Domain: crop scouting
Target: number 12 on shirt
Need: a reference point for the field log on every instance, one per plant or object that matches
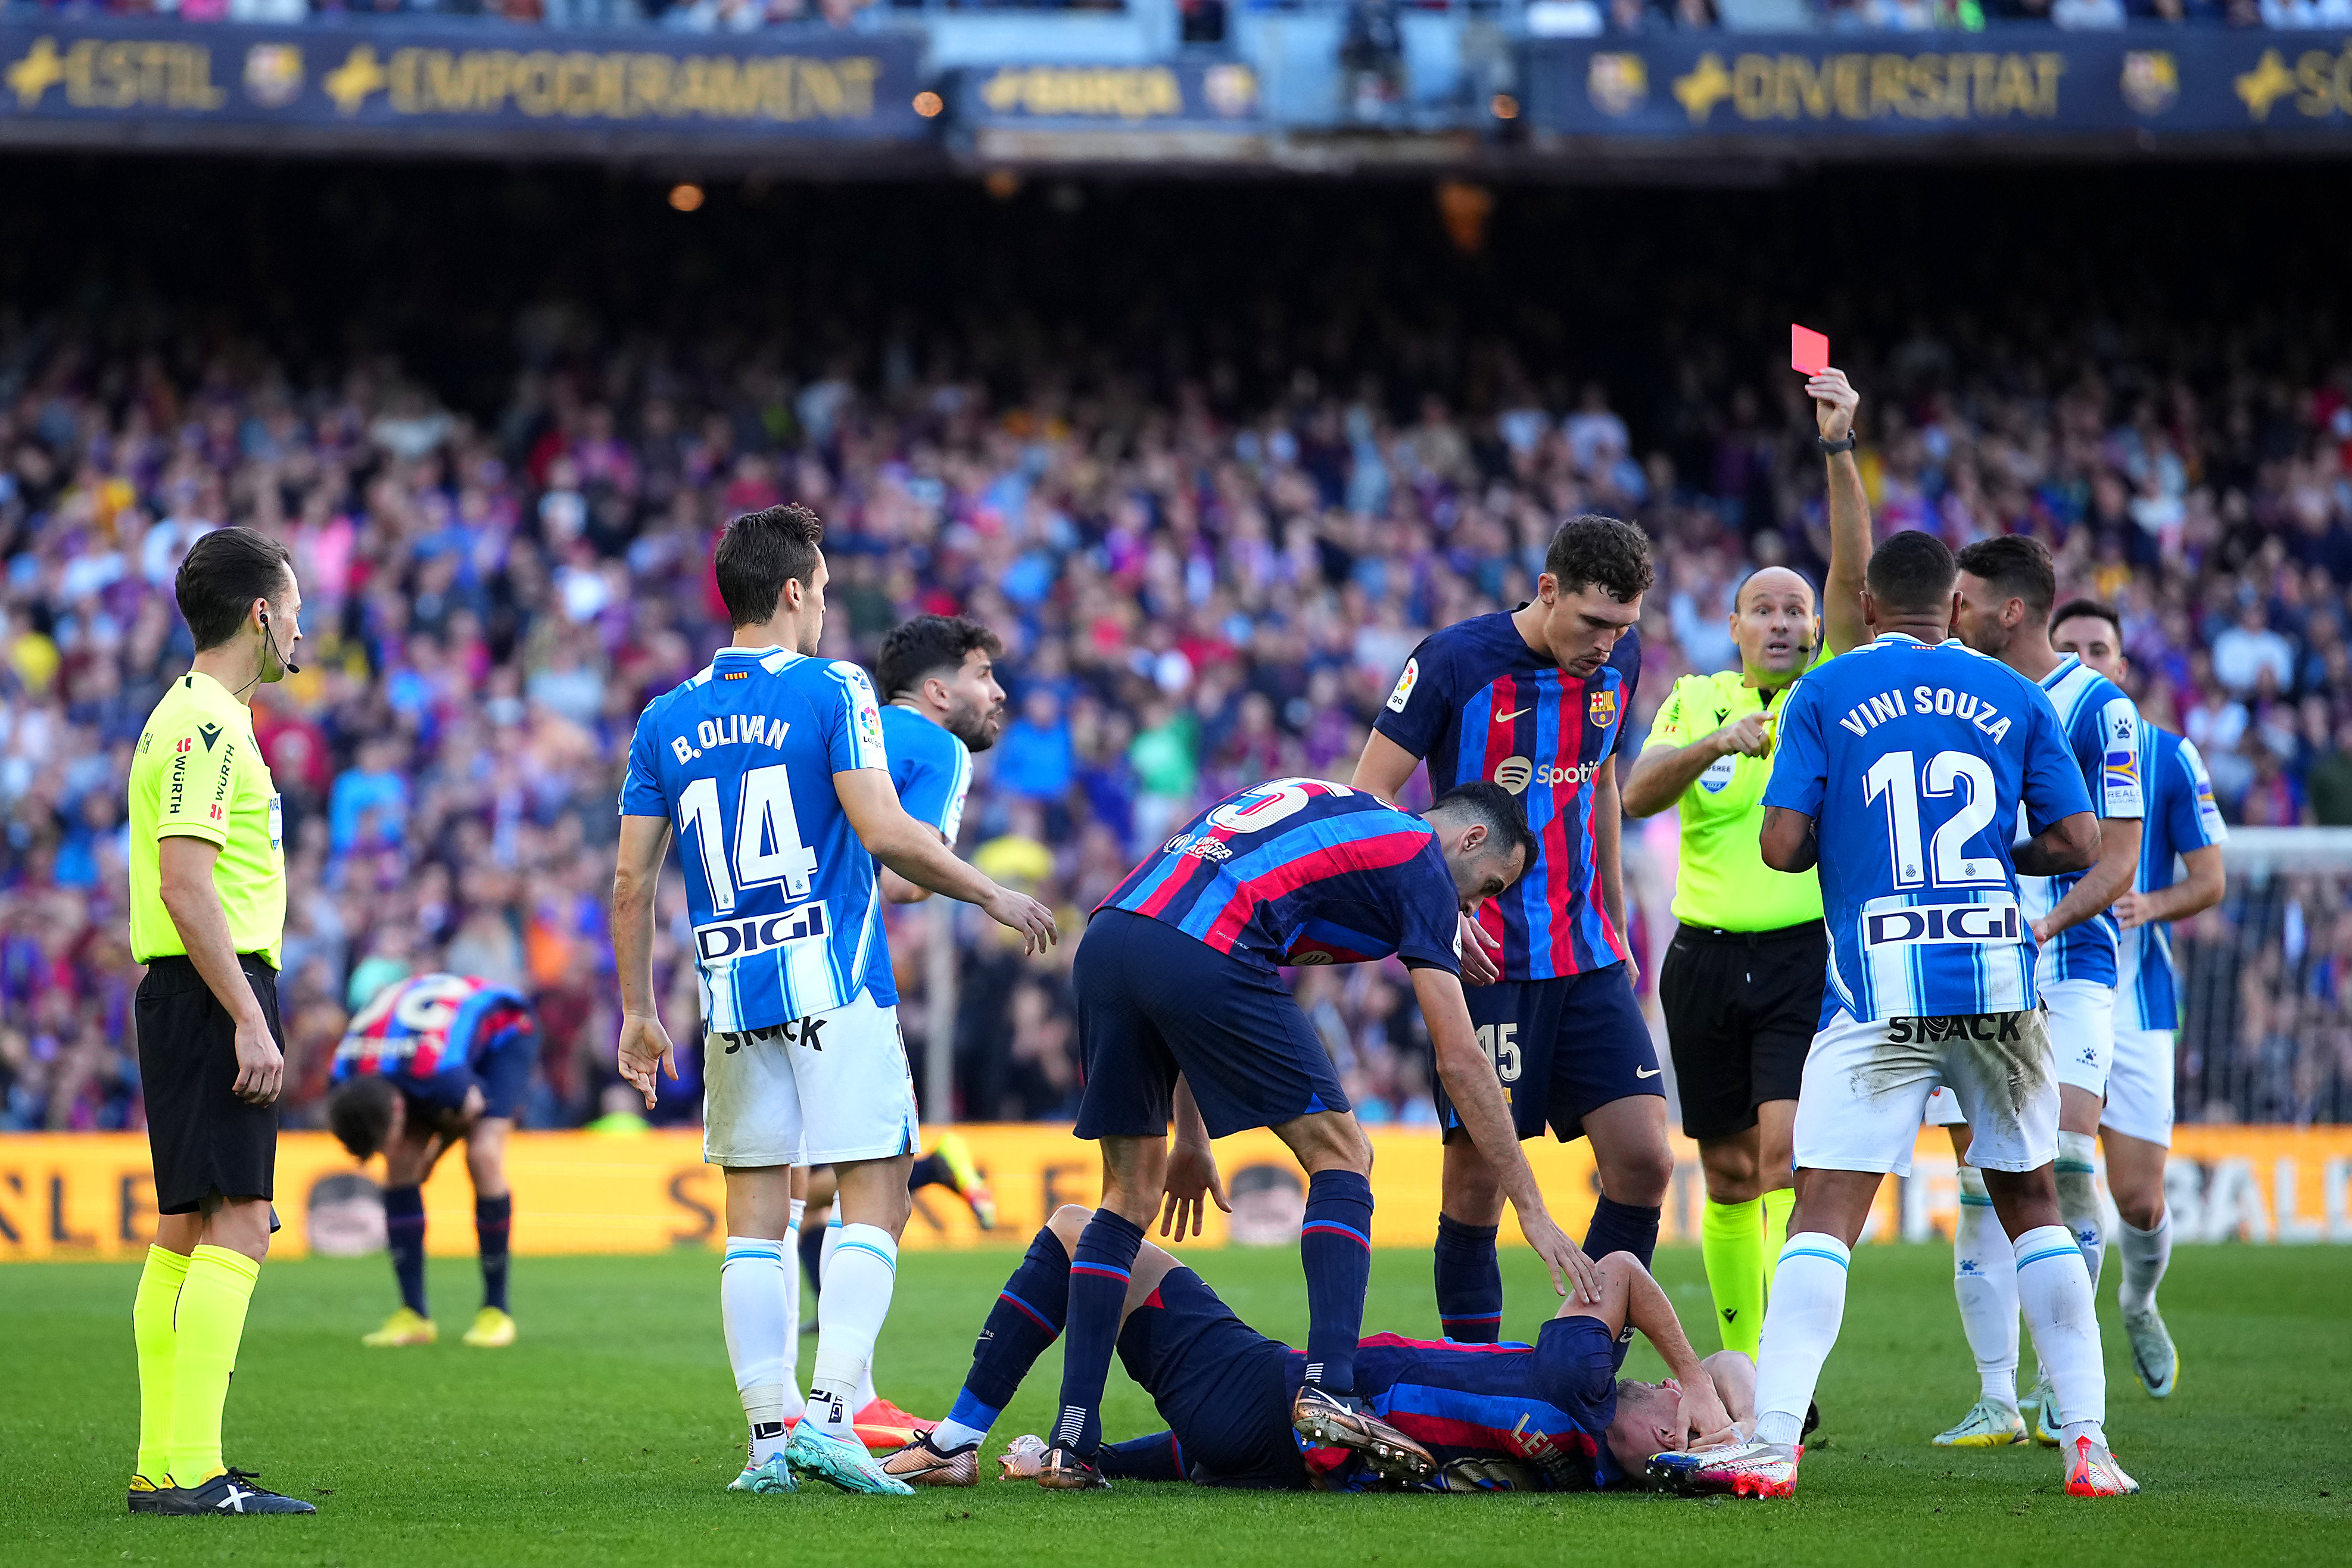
(767, 848)
(1897, 780)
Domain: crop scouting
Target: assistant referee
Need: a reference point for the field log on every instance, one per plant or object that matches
(1741, 984)
(207, 913)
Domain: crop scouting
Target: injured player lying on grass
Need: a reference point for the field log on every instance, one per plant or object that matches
(1448, 1417)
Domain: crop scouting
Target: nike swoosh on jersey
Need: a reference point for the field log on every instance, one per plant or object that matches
(1647, 1071)
(1514, 713)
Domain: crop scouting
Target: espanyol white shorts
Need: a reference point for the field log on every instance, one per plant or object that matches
(2081, 1020)
(823, 1090)
(2139, 1086)
(1867, 1084)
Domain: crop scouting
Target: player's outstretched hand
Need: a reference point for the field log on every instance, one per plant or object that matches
(1705, 1421)
(1834, 401)
(1573, 1274)
(1024, 913)
(644, 1046)
(260, 1065)
(1477, 968)
(1191, 1180)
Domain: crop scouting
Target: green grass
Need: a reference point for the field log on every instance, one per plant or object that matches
(607, 1435)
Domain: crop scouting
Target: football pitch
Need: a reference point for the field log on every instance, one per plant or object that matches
(608, 1433)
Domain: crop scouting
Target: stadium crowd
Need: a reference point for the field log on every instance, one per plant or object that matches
(1194, 595)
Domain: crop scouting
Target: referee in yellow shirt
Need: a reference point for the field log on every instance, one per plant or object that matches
(207, 913)
(1741, 984)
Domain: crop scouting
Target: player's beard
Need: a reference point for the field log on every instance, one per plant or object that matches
(976, 726)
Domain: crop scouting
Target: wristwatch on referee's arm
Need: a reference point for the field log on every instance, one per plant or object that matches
(1831, 448)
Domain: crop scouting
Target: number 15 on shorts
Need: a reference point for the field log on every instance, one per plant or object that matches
(1500, 1042)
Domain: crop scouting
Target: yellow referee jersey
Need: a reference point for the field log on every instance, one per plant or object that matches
(1724, 883)
(198, 773)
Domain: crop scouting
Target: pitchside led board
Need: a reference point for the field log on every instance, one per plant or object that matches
(357, 86)
(2005, 83)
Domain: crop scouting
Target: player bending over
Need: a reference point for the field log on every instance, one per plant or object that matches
(1550, 1417)
(1894, 772)
(770, 766)
(1181, 1010)
(433, 1061)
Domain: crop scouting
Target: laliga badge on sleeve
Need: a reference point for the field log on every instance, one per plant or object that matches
(1808, 350)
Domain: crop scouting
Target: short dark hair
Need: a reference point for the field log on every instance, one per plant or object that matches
(913, 651)
(759, 553)
(220, 575)
(2096, 609)
(2017, 566)
(1912, 573)
(1497, 807)
(360, 1113)
(1601, 550)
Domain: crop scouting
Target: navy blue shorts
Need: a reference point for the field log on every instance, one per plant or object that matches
(1223, 1388)
(506, 1075)
(1563, 1047)
(1154, 1002)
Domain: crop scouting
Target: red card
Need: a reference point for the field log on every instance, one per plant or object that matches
(1807, 350)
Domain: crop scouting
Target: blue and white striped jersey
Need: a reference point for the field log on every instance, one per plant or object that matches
(2102, 729)
(1907, 757)
(779, 892)
(929, 768)
(2181, 816)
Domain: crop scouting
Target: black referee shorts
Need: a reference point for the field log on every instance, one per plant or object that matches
(206, 1141)
(1741, 1009)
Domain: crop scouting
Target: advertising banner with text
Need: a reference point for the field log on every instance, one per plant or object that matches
(85, 1195)
(392, 86)
(2003, 83)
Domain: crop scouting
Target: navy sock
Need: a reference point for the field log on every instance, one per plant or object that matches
(1098, 1277)
(403, 1231)
(493, 1228)
(1335, 1244)
(811, 1255)
(927, 1172)
(1469, 1283)
(1026, 1320)
(1158, 1457)
(1622, 1227)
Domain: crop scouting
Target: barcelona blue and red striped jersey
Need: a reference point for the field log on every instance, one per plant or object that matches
(1299, 870)
(1509, 1417)
(1476, 701)
(431, 1035)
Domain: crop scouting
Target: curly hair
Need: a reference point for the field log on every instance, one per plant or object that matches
(2016, 566)
(1604, 552)
(927, 644)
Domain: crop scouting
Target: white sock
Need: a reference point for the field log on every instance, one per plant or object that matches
(792, 1245)
(1984, 1280)
(849, 1313)
(864, 1394)
(2145, 1254)
(2053, 1286)
(2078, 1199)
(1801, 1324)
(751, 1312)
